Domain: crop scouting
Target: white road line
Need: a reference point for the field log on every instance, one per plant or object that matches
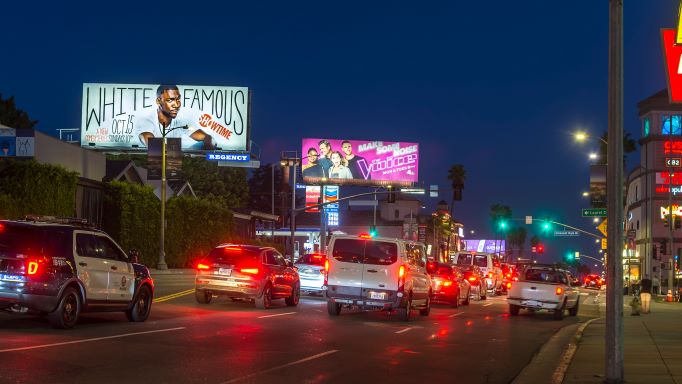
(88, 340)
(404, 330)
(456, 314)
(313, 357)
(487, 305)
(278, 314)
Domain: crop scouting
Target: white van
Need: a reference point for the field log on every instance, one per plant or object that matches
(489, 265)
(378, 273)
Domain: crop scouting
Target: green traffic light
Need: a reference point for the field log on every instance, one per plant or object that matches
(503, 224)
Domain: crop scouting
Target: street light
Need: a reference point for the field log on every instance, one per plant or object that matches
(291, 159)
(583, 136)
(586, 194)
(593, 156)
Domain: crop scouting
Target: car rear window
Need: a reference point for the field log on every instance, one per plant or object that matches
(381, 253)
(481, 261)
(464, 259)
(545, 276)
(19, 240)
(349, 250)
(234, 256)
(365, 251)
(310, 259)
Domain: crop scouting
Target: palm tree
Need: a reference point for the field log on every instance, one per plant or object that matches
(457, 175)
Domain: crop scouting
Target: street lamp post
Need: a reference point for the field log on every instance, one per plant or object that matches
(291, 160)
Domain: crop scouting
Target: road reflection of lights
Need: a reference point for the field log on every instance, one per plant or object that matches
(469, 323)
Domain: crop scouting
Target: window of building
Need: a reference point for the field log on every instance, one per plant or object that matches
(638, 225)
(672, 125)
(647, 126)
(397, 214)
(636, 192)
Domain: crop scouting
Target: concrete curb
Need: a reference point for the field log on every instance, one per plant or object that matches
(560, 347)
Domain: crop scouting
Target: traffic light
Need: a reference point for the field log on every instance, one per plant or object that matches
(373, 231)
(546, 226)
(540, 248)
(502, 224)
(570, 255)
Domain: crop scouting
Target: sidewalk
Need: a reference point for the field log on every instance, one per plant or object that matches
(652, 347)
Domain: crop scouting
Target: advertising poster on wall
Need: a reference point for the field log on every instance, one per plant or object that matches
(126, 116)
(359, 162)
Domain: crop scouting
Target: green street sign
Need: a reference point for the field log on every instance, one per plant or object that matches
(594, 212)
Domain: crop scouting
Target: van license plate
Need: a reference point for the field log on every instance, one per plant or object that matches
(377, 295)
(225, 271)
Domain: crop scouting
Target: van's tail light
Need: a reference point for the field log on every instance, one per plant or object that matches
(472, 279)
(508, 285)
(250, 271)
(447, 283)
(559, 291)
(490, 275)
(202, 266)
(326, 272)
(401, 278)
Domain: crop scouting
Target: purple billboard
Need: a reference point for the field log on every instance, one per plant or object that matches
(359, 162)
(488, 246)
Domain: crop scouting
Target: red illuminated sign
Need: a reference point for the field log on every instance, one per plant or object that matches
(664, 178)
(672, 147)
(672, 53)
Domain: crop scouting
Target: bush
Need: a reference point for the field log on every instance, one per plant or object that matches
(132, 215)
(29, 187)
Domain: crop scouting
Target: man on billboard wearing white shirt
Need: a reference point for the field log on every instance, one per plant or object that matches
(167, 117)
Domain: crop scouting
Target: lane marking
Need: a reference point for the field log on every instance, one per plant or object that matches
(456, 314)
(88, 340)
(313, 357)
(405, 330)
(278, 314)
(487, 305)
(173, 296)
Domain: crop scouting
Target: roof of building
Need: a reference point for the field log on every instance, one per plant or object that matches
(660, 101)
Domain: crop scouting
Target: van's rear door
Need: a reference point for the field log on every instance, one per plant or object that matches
(345, 267)
(380, 269)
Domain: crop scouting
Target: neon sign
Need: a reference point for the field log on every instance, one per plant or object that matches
(666, 189)
(664, 177)
(677, 211)
(674, 147)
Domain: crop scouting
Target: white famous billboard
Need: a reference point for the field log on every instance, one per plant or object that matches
(125, 116)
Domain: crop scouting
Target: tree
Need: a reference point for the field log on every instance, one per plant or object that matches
(227, 185)
(260, 189)
(457, 175)
(629, 146)
(13, 117)
(516, 237)
(500, 216)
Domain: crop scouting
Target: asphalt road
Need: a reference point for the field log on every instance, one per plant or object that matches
(233, 342)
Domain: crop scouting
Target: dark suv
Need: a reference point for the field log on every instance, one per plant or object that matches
(62, 267)
(247, 272)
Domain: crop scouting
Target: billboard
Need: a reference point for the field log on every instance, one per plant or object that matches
(16, 142)
(330, 194)
(359, 162)
(126, 116)
(312, 197)
(489, 246)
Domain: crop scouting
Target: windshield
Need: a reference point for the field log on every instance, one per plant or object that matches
(464, 259)
(481, 261)
(545, 276)
(311, 259)
(234, 256)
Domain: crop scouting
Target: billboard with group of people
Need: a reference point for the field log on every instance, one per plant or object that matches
(359, 162)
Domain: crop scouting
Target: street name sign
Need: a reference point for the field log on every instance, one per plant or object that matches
(566, 233)
(594, 212)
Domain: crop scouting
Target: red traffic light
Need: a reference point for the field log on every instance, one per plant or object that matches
(541, 248)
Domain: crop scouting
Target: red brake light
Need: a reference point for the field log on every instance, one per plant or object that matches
(472, 278)
(326, 265)
(447, 283)
(32, 268)
(251, 271)
(202, 266)
(365, 236)
(401, 271)
(490, 275)
(232, 248)
(559, 290)
(2, 227)
(317, 257)
(508, 285)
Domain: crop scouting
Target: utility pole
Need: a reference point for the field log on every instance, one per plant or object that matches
(614, 271)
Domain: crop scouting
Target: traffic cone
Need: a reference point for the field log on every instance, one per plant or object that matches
(669, 296)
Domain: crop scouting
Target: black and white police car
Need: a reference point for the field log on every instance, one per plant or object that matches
(62, 267)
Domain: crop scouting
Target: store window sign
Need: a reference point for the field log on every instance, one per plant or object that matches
(677, 211)
(666, 189)
(665, 177)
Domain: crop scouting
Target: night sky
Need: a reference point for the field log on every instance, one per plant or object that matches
(495, 85)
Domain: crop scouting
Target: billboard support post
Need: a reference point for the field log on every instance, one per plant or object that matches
(291, 159)
(162, 252)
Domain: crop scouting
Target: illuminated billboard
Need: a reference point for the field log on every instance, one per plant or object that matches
(490, 246)
(359, 162)
(126, 116)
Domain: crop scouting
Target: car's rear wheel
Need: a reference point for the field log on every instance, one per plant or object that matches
(455, 300)
(484, 293)
(468, 297)
(427, 308)
(264, 301)
(574, 311)
(66, 314)
(292, 300)
(514, 309)
(334, 309)
(405, 312)
(142, 307)
(203, 297)
(559, 313)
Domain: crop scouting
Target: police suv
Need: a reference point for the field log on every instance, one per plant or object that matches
(62, 267)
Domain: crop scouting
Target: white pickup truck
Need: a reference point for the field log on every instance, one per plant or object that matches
(545, 287)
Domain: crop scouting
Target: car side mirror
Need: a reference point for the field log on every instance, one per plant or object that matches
(134, 257)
